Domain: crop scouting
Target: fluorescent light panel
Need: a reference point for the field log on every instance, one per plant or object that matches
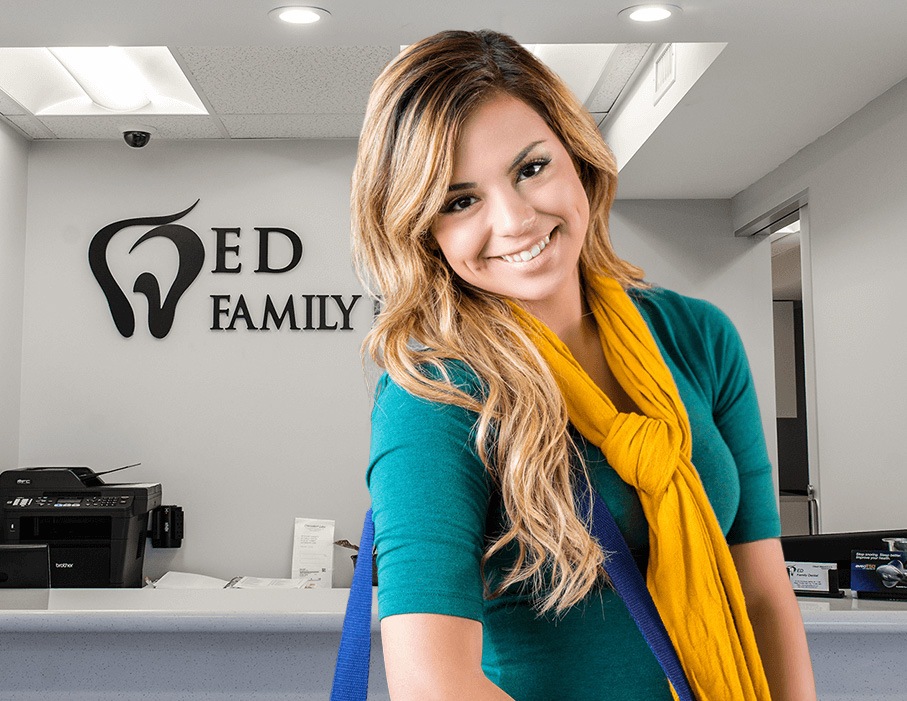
(107, 75)
(151, 80)
(578, 65)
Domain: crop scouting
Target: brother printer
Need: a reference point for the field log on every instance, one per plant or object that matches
(95, 532)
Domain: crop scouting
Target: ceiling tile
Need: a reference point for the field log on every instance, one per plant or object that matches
(293, 126)
(614, 78)
(9, 106)
(110, 127)
(31, 126)
(286, 80)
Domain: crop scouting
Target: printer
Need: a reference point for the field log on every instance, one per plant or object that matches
(95, 532)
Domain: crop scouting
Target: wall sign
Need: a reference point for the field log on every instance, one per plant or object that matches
(306, 312)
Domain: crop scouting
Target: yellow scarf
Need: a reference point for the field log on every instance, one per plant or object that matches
(691, 574)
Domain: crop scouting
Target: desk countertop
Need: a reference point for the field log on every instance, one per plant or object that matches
(174, 610)
(852, 615)
(303, 611)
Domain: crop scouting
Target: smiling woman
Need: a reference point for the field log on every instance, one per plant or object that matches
(517, 214)
(525, 363)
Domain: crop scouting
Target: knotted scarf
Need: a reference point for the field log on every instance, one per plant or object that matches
(691, 574)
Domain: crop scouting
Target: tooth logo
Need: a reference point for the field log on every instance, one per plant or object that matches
(160, 314)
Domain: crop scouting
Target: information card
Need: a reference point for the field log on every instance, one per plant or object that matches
(313, 552)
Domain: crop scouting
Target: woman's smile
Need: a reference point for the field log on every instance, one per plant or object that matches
(528, 254)
(516, 216)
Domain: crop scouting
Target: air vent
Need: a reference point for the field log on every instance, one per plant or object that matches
(665, 71)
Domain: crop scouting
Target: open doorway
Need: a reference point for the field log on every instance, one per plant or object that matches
(798, 503)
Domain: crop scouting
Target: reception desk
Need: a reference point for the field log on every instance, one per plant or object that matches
(155, 644)
(174, 645)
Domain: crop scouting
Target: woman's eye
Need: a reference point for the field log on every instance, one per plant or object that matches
(532, 168)
(459, 204)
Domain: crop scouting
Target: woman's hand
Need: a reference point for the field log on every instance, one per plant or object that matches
(776, 619)
(434, 657)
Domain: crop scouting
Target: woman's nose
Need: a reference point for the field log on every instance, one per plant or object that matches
(512, 215)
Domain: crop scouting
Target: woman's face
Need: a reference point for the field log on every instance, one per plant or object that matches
(516, 214)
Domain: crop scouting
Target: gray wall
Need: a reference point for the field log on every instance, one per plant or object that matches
(858, 255)
(249, 429)
(246, 430)
(689, 246)
(13, 175)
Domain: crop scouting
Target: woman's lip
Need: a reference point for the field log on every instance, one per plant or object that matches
(530, 253)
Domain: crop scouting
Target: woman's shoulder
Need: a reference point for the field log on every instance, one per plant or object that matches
(456, 373)
(431, 442)
(397, 410)
(694, 334)
(680, 311)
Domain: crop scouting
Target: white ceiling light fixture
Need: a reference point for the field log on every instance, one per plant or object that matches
(578, 65)
(96, 81)
(298, 14)
(107, 75)
(651, 12)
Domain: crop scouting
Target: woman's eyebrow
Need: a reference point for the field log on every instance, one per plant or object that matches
(522, 154)
(514, 164)
(461, 186)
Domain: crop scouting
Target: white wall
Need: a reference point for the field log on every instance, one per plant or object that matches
(858, 255)
(13, 177)
(689, 246)
(246, 430)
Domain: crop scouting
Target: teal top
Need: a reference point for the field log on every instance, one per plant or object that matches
(434, 511)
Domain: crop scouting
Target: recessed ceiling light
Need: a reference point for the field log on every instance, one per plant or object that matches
(298, 14)
(649, 12)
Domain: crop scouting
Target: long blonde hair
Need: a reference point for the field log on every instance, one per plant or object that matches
(429, 316)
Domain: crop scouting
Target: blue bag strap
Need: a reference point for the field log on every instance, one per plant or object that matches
(354, 655)
(630, 586)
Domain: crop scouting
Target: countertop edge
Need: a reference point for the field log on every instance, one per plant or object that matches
(140, 611)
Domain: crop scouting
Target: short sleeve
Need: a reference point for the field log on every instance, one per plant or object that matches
(737, 417)
(429, 500)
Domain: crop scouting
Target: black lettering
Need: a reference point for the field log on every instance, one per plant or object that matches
(345, 324)
(222, 249)
(241, 312)
(323, 309)
(308, 312)
(264, 235)
(219, 311)
(289, 311)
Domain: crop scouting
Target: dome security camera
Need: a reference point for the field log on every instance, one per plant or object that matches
(136, 138)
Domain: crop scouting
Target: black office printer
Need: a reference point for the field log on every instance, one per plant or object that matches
(95, 532)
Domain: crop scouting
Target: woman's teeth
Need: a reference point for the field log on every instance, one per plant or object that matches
(524, 256)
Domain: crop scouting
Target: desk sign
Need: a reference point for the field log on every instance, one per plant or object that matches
(878, 574)
(814, 578)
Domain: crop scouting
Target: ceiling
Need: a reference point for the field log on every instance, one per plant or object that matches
(295, 92)
(792, 70)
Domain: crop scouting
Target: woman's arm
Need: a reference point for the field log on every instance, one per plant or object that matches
(432, 657)
(776, 619)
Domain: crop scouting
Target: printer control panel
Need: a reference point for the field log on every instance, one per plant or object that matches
(61, 502)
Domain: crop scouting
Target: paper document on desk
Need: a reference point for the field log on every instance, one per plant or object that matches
(313, 552)
(266, 583)
(188, 580)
